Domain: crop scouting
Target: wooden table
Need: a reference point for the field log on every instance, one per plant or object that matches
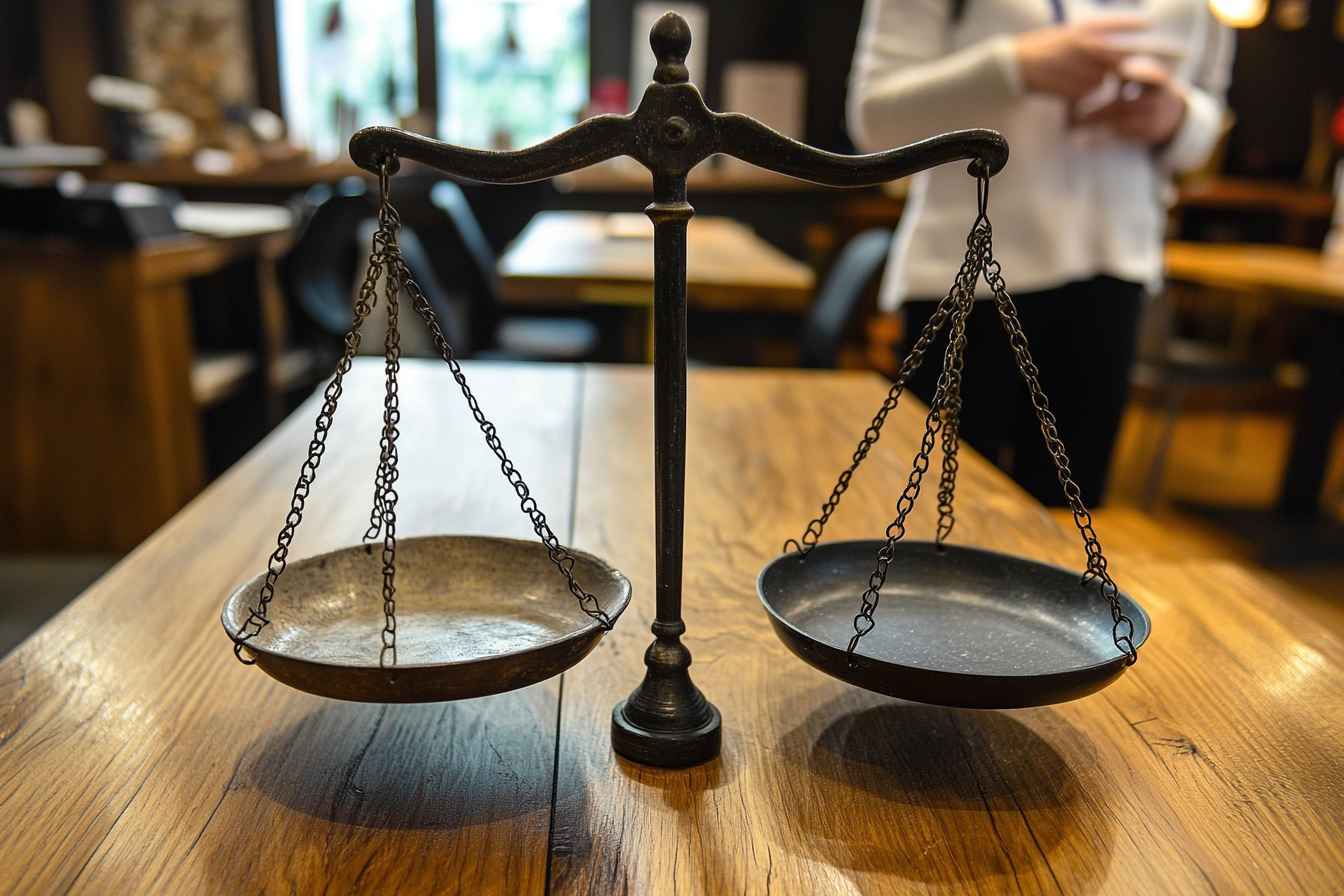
(136, 755)
(291, 174)
(1310, 280)
(103, 441)
(569, 259)
(573, 258)
(1301, 276)
(1300, 208)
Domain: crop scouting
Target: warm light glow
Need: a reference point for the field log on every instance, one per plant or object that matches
(1240, 13)
(1301, 665)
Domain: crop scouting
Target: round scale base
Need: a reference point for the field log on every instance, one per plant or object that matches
(666, 749)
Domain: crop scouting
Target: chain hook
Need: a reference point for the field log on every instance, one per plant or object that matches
(385, 166)
(981, 200)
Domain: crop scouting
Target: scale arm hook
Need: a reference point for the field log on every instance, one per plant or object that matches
(749, 140)
(592, 140)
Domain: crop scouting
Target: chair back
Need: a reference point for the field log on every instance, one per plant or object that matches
(451, 307)
(858, 263)
(318, 271)
(467, 262)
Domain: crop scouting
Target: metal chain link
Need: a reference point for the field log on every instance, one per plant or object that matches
(560, 556)
(1122, 629)
(946, 406)
(258, 616)
(386, 260)
(947, 484)
(940, 411)
(812, 534)
(387, 216)
(383, 517)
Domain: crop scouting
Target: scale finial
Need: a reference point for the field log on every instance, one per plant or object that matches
(670, 38)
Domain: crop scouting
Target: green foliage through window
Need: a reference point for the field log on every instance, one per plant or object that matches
(344, 65)
(511, 72)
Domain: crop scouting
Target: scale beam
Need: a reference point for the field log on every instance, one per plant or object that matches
(666, 720)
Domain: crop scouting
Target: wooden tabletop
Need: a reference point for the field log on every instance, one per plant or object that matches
(1252, 194)
(294, 174)
(137, 756)
(1303, 276)
(570, 258)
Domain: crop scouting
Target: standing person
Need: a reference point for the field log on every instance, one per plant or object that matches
(1100, 104)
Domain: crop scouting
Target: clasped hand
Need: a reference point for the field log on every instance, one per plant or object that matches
(1072, 61)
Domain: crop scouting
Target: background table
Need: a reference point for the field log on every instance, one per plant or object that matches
(1307, 279)
(136, 755)
(575, 258)
(568, 259)
(103, 384)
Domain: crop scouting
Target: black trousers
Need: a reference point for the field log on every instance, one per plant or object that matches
(1082, 337)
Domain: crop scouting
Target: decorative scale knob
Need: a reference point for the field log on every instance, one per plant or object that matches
(670, 39)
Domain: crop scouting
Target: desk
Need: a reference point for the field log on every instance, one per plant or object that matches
(102, 442)
(1300, 276)
(568, 259)
(1308, 279)
(139, 756)
(572, 258)
(292, 175)
(1299, 207)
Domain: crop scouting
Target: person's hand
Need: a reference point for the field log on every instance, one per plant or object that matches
(1149, 110)
(1071, 61)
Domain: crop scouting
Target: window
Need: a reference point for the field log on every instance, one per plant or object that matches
(508, 72)
(344, 65)
(511, 72)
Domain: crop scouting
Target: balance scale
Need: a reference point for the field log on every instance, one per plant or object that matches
(482, 615)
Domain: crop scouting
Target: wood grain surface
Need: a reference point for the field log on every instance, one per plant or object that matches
(565, 257)
(1301, 276)
(1210, 767)
(136, 756)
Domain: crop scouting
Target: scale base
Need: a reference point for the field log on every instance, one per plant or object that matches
(666, 722)
(665, 748)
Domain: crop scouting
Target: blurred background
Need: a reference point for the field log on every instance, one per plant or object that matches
(181, 233)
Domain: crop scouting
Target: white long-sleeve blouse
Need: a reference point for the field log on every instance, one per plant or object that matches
(1071, 204)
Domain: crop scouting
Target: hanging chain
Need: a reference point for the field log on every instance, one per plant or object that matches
(940, 412)
(1122, 628)
(385, 261)
(383, 517)
(257, 618)
(560, 556)
(812, 534)
(947, 484)
(944, 415)
(389, 219)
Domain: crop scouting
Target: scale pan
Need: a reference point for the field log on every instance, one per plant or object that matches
(475, 616)
(956, 626)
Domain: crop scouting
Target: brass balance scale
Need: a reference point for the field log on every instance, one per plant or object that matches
(482, 615)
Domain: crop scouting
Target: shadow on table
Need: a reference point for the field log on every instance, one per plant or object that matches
(943, 796)
(414, 767)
